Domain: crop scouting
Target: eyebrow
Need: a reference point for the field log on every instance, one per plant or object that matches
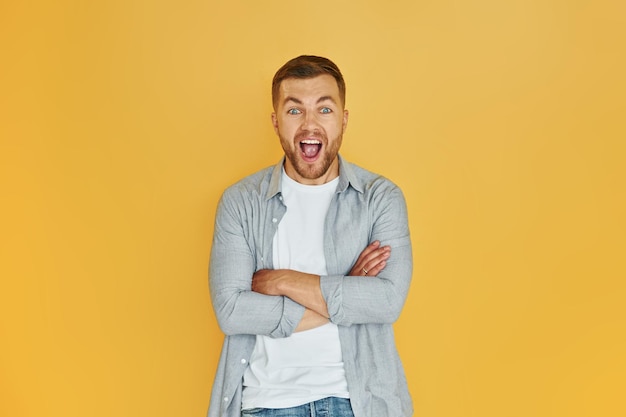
(319, 100)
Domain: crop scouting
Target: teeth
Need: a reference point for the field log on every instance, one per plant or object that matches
(311, 142)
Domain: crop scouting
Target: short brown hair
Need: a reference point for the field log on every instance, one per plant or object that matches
(308, 66)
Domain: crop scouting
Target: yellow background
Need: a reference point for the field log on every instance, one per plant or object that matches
(121, 122)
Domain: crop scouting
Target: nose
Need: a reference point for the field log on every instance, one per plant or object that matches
(310, 121)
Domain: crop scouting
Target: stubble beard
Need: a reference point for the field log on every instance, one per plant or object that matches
(320, 167)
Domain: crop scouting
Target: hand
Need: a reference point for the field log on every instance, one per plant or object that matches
(265, 281)
(371, 261)
(301, 287)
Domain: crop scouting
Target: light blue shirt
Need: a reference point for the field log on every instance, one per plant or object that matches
(366, 207)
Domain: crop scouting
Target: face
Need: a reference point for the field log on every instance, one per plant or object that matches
(310, 120)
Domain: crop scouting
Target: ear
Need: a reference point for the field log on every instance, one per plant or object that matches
(346, 113)
(275, 122)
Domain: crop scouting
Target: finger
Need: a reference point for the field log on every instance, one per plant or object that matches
(364, 257)
(373, 255)
(375, 270)
(376, 263)
(379, 255)
(369, 259)
(369, 249)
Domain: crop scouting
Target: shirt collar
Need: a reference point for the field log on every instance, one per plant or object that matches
(346, 177)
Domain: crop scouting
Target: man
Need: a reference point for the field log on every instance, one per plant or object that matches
(310, 265)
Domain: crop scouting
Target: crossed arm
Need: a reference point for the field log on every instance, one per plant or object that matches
(305, 288)
(276, 303)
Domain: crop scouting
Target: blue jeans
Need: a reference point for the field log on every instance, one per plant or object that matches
(326, 407)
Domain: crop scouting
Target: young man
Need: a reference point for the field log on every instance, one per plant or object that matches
(310, 265)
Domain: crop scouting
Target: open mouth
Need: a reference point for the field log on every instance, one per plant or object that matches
(310, 148)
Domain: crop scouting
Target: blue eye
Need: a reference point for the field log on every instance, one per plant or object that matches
(326, 110)
(293, 111)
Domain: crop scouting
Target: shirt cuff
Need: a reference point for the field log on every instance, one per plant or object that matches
(332, 291)
(292, 314)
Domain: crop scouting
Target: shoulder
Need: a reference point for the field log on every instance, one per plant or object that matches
(369, 182)
(251, 186)
(245, 196)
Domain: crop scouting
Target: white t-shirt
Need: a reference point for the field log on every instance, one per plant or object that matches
(308, 365)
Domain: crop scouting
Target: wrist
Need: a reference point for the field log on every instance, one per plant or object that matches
(276, 287)
(289, 282)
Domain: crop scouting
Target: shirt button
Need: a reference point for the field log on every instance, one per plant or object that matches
(243, 361)
(225, 399)
(274, 220)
